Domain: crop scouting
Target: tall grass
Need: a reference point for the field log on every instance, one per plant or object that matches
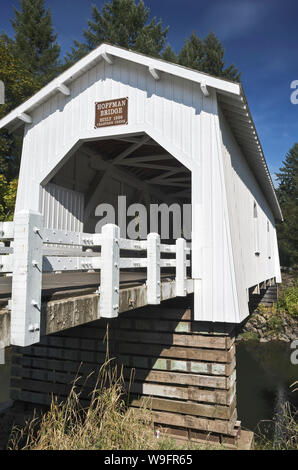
(283, 429)
(106, 423)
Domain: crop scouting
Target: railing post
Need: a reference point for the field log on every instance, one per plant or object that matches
(27, 278)
(153, 269)
(110, 272)
(181, 267)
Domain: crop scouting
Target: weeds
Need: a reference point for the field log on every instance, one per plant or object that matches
(284, 431)
(288, 302)
(107, 423)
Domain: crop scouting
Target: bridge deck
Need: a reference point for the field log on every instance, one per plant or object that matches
(70, 299)
(76, 283)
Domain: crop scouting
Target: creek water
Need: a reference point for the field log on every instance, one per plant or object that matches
(264, 376)
(5, 375)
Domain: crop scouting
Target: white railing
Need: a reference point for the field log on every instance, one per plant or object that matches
(35, 250)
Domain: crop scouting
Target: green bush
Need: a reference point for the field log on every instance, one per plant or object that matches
(288, 302)
(275, 324)
(249, 336)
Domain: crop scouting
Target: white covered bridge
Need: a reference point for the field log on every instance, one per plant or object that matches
(129, 131)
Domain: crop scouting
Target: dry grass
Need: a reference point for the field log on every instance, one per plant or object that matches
(284, 429)
(107, 423)
(285, 426)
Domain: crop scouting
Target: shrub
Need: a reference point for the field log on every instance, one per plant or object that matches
(249, 336)
(275, 324)
(288, 301)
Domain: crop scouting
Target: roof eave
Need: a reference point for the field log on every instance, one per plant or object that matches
(12, 119)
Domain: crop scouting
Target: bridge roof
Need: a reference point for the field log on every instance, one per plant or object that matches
(231, 96)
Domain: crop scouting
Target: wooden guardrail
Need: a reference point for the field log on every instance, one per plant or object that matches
(35, 250)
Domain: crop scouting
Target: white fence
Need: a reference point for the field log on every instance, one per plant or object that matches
(31, 254)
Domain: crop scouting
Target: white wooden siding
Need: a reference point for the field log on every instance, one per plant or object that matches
(62, 208)
(173, 112)
(254, 260)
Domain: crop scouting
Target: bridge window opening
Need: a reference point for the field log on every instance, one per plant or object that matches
(130, 181)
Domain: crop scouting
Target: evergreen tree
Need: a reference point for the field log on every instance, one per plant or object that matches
(288, 197)
(169, 55)
(19, 85)
(192, 53)
(35, 43)
(122, 23)
(207, 56)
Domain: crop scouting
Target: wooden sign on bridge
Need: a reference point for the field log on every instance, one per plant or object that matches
(111, 112)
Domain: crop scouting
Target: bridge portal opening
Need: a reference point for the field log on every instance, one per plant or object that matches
(131, 181)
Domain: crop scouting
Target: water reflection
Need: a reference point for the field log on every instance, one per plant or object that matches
(264, 376)
(5, 377)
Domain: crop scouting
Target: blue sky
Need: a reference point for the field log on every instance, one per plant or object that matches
(260, 37)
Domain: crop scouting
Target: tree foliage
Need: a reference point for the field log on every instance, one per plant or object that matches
(169, 55)
(126, 23)
(288, 197)
(35, 43)
(122, 23)
(8, 192)
(19, 85)
(207, 56)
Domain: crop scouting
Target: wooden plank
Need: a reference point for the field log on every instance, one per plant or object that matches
(134, 325)
(165, 418)
(223, 397)
(169, 339)
(135, 336)
(181, 353)
(191, 422)
(147, 375)
(174, 352)
(193, 409)
(179, 378)
(133, 360)
(132, 337)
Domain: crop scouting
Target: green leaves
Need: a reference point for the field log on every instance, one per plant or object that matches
(35, 43)
(26, 64)
(126, 23)
(19, 85)
(207, 56)
(288, 197)
(122, 23)
(8, 192)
